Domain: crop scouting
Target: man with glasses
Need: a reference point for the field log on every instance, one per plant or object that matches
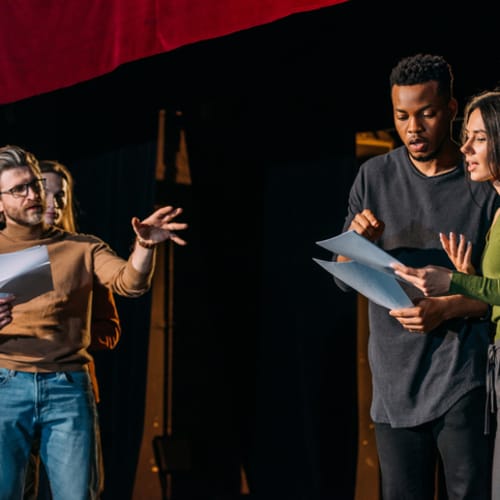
(45, 389)
(21, 190)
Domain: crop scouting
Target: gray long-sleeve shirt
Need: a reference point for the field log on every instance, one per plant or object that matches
(415, 377)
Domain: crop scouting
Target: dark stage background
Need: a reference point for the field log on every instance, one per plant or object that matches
(265, 349)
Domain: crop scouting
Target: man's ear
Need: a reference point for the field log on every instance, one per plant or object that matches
(453, 107)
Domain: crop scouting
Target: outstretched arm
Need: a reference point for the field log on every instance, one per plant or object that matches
(435, 280)
(158, 227)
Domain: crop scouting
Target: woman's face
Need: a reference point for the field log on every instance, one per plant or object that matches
(56, 195)
(475, 148)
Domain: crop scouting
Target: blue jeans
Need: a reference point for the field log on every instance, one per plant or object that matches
(60, 408)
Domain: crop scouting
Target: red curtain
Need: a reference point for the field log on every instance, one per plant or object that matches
(49, 44)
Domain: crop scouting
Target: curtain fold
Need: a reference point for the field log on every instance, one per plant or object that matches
(51, 44)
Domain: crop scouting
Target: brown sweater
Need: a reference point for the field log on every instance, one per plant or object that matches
(51, 332)
(105, 330)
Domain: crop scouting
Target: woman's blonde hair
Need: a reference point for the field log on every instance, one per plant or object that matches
(68, 220)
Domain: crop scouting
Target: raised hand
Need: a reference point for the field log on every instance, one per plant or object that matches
(159, 226)
(432, 280)
(366, 224)
(459, 251)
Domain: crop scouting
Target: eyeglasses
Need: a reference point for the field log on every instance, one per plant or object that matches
(21, 190)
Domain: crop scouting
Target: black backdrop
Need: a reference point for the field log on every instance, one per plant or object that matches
(265, 342)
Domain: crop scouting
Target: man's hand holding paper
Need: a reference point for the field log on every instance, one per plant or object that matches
(369, 271)
(26, 274)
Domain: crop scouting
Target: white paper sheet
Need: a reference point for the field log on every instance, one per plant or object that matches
(368, 272)
(26, 273)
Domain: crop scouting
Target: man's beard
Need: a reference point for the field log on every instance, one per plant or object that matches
(28, 219)
(431, 156)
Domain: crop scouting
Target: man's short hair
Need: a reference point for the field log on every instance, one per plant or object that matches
(15, 156)
(423, 68)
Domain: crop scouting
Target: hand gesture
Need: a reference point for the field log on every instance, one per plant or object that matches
(427, 314)
(366, 224)
(432, 280)
(159, 227)
(459, 251)
(6, 300)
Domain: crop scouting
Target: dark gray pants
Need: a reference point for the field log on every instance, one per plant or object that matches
(408, 456)
(493, 386)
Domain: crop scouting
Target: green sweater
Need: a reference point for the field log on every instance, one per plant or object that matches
(486, 287)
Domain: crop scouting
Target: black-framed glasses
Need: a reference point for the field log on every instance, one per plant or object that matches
(21, 190)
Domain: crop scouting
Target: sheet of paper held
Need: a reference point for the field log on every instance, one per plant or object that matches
(376, 286)
(369, 272)
(26, 273)
(358, 248)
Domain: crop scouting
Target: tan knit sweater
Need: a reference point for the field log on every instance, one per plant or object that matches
(51, 332)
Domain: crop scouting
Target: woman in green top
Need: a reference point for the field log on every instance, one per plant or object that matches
(481, 148)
